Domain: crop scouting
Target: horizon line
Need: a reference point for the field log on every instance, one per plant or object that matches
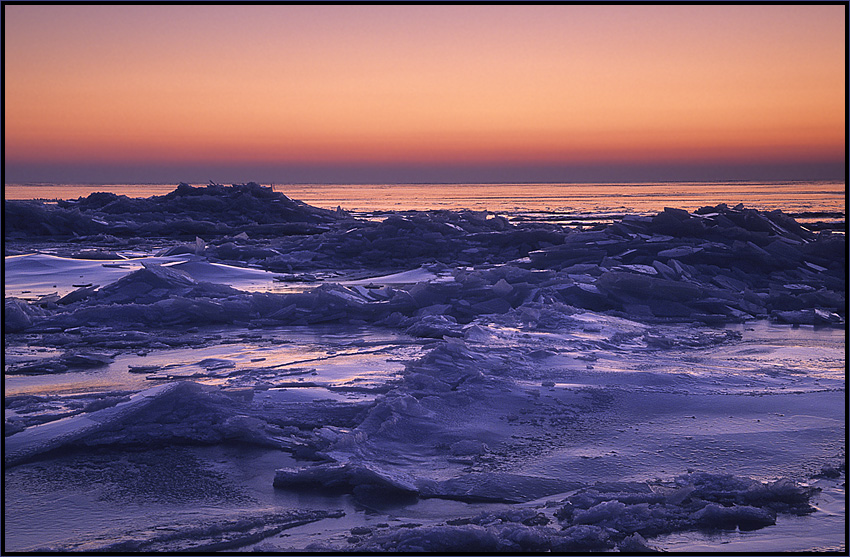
(267, 183)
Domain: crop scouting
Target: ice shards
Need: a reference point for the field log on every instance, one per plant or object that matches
(717, 265)
(698, 501)
(169, 413)
(187, 211)
(606, 516)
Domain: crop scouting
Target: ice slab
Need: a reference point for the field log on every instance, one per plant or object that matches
(422, 274)
(52, 435)
(478, 487)
(38, 274)
(496, 487)
(228, 274)
(243, 529)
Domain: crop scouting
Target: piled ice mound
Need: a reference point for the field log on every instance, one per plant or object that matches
(18, 315)
(603, 517)
(693, 501)
(444, 410)
(154, 296)
(153, 282)
(213, 210)
(400, 241)
(716, 265)
(33, 218)
(167, 414)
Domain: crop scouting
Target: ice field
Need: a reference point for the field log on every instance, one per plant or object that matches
(227, 369)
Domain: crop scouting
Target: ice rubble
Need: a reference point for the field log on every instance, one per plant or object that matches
(181, 412)
(214, 210)
(438, 275)
(373, 456)
(601, 517)
(455, 394)
(717, 265)
(69, 360)
(38, 409)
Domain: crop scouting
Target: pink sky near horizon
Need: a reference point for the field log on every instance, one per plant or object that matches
(424, 85)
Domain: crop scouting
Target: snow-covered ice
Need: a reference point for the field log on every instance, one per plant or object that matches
(226, 368)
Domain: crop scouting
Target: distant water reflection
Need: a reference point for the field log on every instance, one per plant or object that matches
(825, 198)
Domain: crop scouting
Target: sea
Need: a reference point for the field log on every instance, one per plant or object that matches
(564, 203)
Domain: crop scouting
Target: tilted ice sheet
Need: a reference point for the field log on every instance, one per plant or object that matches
(38, 274)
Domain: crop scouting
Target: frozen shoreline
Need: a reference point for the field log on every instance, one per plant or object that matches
(499, 377)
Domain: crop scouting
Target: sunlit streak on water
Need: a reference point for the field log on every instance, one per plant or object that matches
(573, 199)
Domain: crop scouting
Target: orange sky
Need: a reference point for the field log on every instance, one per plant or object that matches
(424, 84)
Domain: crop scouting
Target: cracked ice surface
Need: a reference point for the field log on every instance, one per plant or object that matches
(437, 381)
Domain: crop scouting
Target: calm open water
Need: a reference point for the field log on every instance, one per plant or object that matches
(567, 199)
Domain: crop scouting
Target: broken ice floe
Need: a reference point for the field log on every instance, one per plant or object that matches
(715, 266)
(180, 412)
(68, 361)
(604, 516)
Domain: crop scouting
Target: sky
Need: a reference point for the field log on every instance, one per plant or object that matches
(428, 93)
